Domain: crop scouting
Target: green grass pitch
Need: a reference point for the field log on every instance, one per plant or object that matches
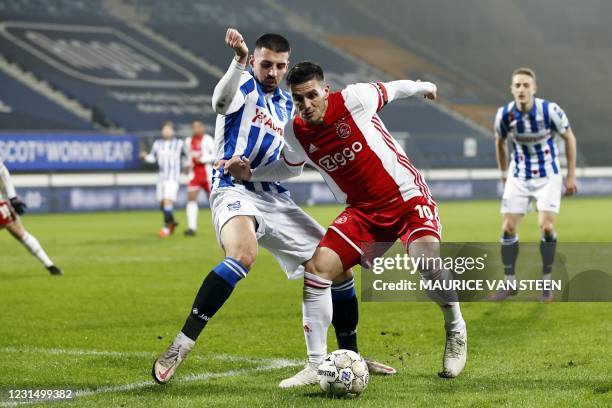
(126, 293)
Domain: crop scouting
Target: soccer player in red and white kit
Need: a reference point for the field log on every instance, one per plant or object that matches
(341, 135)
(11, 207)
(202, 153)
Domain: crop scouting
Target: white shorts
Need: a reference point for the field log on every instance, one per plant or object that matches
(167, 190)
(290, 234)
(519, 193)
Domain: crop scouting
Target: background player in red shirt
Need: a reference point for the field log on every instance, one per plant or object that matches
(202, 153)
(341, 135)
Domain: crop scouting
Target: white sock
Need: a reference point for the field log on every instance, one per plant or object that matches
(453, 320)
(317, 316)
(34, 247)
(447, 300)
(182, 339)
(192, 215)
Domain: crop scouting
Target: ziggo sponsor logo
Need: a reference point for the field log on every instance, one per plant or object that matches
(334, 161)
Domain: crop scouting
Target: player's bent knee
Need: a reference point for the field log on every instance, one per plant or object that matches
(509, 228)
(346, 275)
(325, 263)
(547, 228)
(245, 257)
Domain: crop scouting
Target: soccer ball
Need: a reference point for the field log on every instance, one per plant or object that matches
(343, 373)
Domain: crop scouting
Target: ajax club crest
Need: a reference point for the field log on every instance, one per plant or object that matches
(343, 130)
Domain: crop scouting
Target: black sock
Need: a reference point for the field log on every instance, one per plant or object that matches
(212, 295)
(509, 253)
(345, 319)
(168, 217)
(548, 246)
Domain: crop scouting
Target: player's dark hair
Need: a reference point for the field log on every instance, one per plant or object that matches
(273, 42)
(303, 72)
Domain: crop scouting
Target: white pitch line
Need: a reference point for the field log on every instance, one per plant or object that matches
(128, 354)
(270, 364)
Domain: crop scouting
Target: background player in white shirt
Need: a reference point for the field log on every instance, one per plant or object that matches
(341, 135)
(533, 126)
(201, 147)
(252, 113)
(168, 152)
(10, 209)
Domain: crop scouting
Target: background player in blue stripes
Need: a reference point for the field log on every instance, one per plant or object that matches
(252, 113)
(532, 125)
(169, 154)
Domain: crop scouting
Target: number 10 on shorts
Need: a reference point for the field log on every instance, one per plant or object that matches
(424, 212)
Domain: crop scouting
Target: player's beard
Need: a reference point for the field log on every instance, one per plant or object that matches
(269, 86)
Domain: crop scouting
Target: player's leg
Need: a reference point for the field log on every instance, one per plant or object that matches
(317, 306)
(192, 208)
(548, 246)
(32, 244)
(346, 317)
(346, 311)
(337, 253)
(515, 203)
(455, 351)
(548, 205)
(240, 244)
(292, 236)
(509, 252)
(170, 197)
(239, 241)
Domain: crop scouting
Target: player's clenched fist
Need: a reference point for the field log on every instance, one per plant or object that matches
(234, 40)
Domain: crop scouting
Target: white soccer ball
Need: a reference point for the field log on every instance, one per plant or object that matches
(343, 373)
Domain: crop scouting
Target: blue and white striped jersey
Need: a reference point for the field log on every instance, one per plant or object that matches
(168, 154)
(255, 131)
(534, 137)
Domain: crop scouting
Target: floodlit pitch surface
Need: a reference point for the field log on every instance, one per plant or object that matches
(126, 293)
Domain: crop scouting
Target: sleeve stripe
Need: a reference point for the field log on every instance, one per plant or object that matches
(383, 98)
(380, 98)
(293, 164)
(383, 90)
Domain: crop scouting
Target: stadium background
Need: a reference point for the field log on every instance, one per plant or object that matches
(86, 84)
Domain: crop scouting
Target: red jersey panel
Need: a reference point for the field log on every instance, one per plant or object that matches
(360, 161)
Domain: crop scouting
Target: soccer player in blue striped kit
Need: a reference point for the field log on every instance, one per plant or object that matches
(252, 113)
(169, 153)
(534, 173)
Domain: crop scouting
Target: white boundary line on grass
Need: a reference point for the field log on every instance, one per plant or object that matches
(265, 365)
(128, 354)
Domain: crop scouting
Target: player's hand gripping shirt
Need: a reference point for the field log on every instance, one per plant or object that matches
(533, 136)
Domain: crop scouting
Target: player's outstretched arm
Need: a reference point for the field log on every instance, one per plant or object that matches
(570, 153)
(374, 96)
(291, 164)
(226, 96)
(281, 169)
(407, 88)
